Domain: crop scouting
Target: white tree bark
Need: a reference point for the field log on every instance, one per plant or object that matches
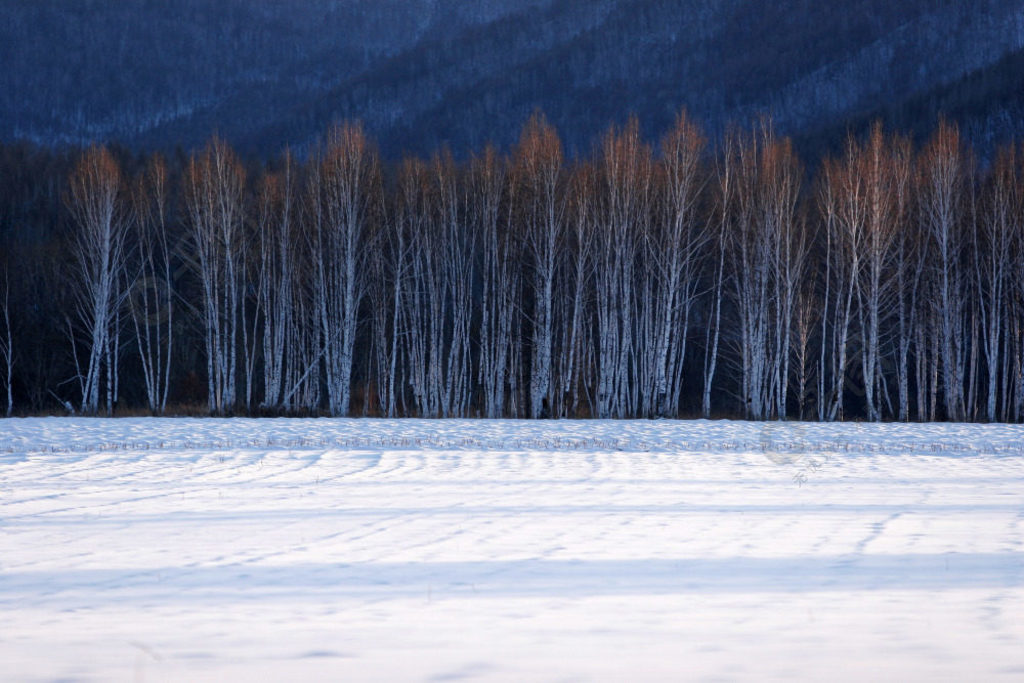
(999, 226)
(943, 183)
(152, 299)
(345, 191)
(625, 171)
(538, 170)
(214, 187)
(97, 206)
(676, 249)
(499, 280)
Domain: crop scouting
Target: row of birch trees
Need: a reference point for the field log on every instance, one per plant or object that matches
(662, 280)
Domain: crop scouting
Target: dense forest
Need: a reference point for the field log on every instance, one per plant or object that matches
(422, 74)
(666, 278)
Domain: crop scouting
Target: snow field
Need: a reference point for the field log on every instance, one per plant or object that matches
(187, 549)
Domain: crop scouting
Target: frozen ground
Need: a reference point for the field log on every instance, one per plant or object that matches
(444, 550)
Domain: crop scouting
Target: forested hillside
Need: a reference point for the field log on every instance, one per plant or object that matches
(173, 73)
(421, 73)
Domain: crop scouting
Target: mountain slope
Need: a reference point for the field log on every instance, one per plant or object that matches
(422, 73)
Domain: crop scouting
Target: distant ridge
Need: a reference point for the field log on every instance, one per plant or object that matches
(425, 73)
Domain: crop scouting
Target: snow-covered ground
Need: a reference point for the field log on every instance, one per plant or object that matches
(502, 550)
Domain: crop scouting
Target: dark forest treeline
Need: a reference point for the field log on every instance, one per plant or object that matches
(643, 281)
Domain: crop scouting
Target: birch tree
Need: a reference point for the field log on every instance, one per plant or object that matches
(277, 283)
(999, 228)
(749, 256)
(419, 306)
(438, 296)
(215, 211)
(499, 276)
(95, 202)
(781, 192)
(767, 251)
(625, 172)
(344, 191)
(910, 258)
(943, 176)
(724, 202)
(675, 248)
(808, 312)
(538, 170)
(869, 192)
(575, 358)
(455, 266)
(389, 271)
(152, 298)
(842, 204)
